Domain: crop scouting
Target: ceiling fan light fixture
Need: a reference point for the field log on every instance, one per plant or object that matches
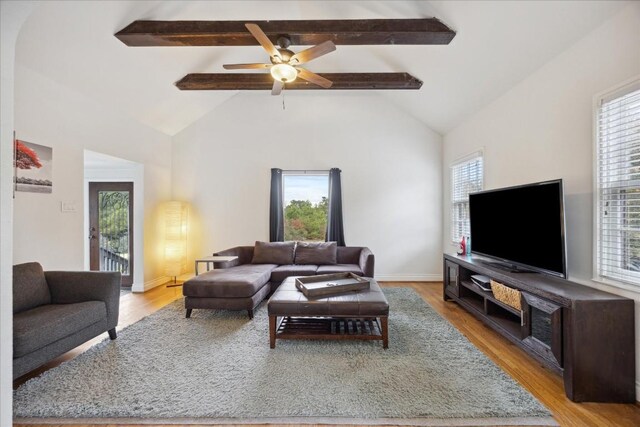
(284, 73)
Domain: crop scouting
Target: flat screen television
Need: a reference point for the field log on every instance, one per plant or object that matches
(521, 227)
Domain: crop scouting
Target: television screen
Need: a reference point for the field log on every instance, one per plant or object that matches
(522, 226)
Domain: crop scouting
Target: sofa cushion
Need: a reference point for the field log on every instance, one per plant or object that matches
(279, 253)
(30, 288)
(319, 253)
(280, 273)
(241, 281)
(41, 326)
(340, 268)
(349, 254)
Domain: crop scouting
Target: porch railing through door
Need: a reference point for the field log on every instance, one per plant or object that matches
(111, 260)
(114, 231)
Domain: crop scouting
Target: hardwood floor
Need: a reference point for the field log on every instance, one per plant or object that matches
(541, 382)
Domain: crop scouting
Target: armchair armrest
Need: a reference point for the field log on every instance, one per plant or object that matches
(68, 287)
(244, 254)
(367, 262)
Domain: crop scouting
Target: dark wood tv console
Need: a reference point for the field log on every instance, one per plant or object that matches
(582, 333)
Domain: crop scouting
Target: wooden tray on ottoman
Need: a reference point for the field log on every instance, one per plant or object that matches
(330, 284)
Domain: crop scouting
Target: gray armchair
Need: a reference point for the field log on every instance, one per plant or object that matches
(55, 311)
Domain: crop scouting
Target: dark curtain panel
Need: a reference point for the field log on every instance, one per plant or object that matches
(276, 210)
(335, 229)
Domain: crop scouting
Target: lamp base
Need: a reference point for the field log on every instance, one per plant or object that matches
(175, 283)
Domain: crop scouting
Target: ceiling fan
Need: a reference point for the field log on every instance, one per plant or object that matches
(285, 64)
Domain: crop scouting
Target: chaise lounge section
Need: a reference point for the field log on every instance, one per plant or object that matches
(242, 284)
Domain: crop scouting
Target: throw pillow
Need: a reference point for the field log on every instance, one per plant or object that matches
(280, 253)
(320, 253)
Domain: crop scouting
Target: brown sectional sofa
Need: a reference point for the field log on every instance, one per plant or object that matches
(244, 283)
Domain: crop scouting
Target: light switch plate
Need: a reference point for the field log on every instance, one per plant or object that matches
(67, 207)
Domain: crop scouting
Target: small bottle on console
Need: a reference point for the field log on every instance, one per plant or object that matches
(462, 247)
(467, 246)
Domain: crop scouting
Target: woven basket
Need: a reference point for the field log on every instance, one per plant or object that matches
(507, 295)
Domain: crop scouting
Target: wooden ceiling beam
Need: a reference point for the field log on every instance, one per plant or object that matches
(258, 81)
(427, 31)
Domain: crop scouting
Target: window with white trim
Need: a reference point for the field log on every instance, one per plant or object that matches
(466, 177)
(618, 185)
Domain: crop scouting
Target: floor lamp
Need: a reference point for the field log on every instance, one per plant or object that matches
(175, 239)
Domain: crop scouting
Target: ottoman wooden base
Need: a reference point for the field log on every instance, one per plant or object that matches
(361, 315)
(328, 328)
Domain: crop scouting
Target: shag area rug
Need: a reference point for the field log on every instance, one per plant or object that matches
(217, 368)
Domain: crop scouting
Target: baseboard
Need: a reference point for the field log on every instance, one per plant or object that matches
(150, 284)
(409, 277)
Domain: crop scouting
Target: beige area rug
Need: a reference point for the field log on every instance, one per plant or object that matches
(217, 367)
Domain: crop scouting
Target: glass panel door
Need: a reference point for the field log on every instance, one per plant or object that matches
(110, 232)
(451, 284)
(542, 327)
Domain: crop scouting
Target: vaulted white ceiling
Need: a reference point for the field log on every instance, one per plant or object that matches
(498, 43)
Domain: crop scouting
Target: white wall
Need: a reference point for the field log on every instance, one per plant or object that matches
(391, 173)
(543, 129)
(50, 114)
(12, 16)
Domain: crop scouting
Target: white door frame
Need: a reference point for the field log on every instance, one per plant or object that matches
(135, 174)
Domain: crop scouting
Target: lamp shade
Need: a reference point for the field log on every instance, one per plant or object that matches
(175, 238)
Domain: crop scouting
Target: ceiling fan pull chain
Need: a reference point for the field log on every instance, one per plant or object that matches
(283, 88)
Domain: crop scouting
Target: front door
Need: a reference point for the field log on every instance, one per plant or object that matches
(111, 228)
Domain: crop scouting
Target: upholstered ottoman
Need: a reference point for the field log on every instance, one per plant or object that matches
(240, 288)
(359, 315)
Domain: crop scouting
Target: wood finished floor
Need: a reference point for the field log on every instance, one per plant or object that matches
(542, 383)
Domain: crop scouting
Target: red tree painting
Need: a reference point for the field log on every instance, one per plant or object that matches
(33, 167)
(26, 158)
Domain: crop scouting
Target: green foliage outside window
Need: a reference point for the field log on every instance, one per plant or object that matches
(305, 221)
(114, 220)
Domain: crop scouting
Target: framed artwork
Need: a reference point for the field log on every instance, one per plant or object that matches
(33, 167)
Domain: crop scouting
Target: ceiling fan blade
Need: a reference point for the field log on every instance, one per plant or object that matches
(277, 87)
(313, 52)
(246, 66)
(263, 39)
(314, 78)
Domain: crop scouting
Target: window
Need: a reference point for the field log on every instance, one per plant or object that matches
(618, 185)
(466, 177)
(306, 203)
